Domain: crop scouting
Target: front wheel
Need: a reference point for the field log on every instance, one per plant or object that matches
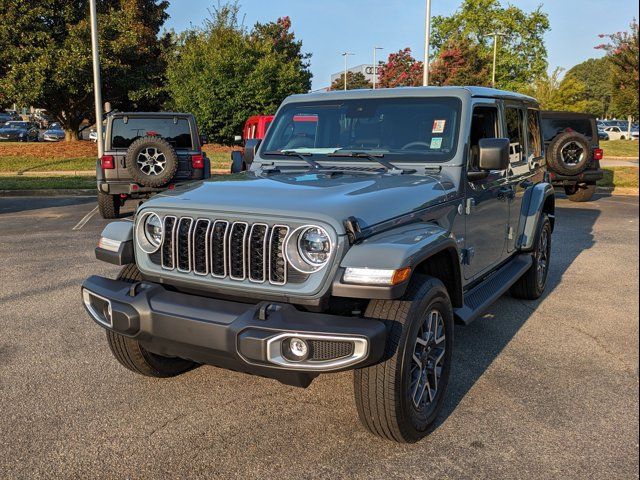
(400, 398)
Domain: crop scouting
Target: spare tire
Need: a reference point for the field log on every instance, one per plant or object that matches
(569, 153)
(151, 161)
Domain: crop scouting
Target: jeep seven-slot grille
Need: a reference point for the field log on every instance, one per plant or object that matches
(235, 250)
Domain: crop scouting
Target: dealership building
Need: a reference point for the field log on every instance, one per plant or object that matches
(366, 70)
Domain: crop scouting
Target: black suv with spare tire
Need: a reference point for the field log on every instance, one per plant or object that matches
(146, 153)
(573, 153)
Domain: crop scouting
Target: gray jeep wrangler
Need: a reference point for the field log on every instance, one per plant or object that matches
(355, 247)
(146, 153)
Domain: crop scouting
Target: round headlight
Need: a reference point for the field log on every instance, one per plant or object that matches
(308, 249)
(314, 246)
(149, 232)
(153, 230)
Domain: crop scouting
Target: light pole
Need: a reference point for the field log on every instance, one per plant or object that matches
(375, 66)
(97, 81)
(346, 56)
(495, 55)
(427, 45)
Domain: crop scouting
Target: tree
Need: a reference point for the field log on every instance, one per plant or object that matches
(355, 81)
(401, 70)
(522, 55)
(554, 93)
(461, 62)
(622, 53)
(595, 74)
(224, 73)
(45, 56)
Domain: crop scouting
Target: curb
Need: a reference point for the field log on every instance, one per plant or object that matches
(49, 192)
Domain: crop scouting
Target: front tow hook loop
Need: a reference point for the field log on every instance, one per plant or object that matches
(266, 309)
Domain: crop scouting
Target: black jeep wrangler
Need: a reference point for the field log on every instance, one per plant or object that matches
(573, 153)
(146, 153)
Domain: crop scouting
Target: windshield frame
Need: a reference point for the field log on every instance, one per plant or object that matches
(334, 155)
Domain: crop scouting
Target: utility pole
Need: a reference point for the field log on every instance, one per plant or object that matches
(346, 56)
(427, 45)
(375, 66)
(495, 55)
(97, 81)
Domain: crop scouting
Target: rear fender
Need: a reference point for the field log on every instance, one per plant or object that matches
(537, 200)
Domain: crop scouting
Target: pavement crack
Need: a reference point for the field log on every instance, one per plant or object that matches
(177, 418)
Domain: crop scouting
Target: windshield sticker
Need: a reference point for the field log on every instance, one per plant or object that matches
(436, 143)
(438, 126)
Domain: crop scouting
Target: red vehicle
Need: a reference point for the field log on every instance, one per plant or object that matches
(255, 129)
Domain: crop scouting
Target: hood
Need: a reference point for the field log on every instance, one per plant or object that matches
(371, 198)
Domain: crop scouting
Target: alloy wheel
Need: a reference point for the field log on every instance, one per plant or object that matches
(542, 257)
(151, 161)
(572, 153)
(427, 361)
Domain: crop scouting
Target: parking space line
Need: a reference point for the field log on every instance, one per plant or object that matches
(85, 219)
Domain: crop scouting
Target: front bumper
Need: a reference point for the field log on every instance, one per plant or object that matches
(237, 336)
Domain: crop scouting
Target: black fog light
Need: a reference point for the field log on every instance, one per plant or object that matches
(295, 349)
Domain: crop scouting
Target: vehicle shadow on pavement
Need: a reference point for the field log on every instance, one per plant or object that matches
(479, 344)
(24, 204)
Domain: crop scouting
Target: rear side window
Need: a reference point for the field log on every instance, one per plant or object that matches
(515, 132)
(552, 127)
(535, 136)
(177, 133)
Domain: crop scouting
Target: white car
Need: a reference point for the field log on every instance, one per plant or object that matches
(93, 136)
(617, 133)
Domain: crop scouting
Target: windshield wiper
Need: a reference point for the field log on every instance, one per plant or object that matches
(303, 156)
(377, 158)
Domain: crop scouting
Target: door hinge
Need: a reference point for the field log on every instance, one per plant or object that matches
(471, 202)
(466, 255)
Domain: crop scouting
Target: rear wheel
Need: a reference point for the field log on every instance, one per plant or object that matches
(109, 205)
(532, 284)
(400, 398)
(131, 355)
(580, 193)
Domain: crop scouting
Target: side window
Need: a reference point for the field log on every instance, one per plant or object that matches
(483, 125)
(534, 145)
(515, 132)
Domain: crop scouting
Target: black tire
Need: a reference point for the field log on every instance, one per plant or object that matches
(383, 392)
(532, 284)
(237, 162)
(131, 355)
(109, 205)
(569, 153)
(580, 193)
(152, 161)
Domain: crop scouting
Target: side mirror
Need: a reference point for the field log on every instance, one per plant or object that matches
(237, 139)
(250, 149)
(494, 154)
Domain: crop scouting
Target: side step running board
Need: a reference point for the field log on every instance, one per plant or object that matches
(477, 300)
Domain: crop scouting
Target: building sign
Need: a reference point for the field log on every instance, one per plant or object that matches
(366, 70)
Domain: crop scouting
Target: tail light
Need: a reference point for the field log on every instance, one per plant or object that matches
(197, 161)
(598, 154)
(107, 162)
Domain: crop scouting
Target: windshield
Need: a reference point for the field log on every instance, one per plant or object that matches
(405, 129)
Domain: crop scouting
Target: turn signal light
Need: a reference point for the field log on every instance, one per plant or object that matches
(598, 154)
(197, 161)
(107, 162)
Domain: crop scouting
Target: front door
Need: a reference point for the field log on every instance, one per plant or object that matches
(487, 202)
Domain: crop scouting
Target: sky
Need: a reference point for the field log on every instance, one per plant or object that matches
(329, 27)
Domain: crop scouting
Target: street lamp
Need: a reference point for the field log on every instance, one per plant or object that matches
(495, 36)
(97, 81)
(427, 46)
(375, 66)
(346, 56)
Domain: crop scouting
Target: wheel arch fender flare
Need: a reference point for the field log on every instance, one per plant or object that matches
(120, 237)
(411, 246)
(538, 200)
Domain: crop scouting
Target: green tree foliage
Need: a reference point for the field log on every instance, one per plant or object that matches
(595, 74)
(355, 81)
(224, 73)
(461, 62)
(522, 55)
(622, 52)
(45, 56)
(401, 70)
(556, 93)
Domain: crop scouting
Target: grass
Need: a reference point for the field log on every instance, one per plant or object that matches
(620, 177)
(620, 148)
(39, 183)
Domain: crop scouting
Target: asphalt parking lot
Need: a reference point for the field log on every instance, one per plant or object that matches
(545, 389)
